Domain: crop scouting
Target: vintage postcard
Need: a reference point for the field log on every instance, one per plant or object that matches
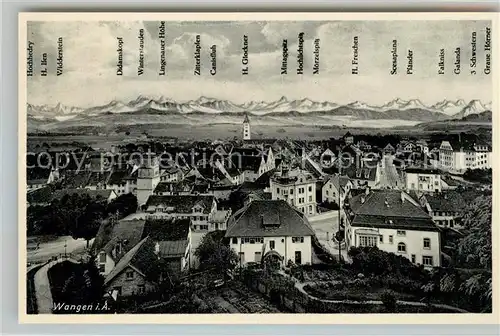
(257, 167)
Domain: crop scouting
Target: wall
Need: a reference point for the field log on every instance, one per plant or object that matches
(283, 245)
(413, 182)
(413, 240)
(109, 264)
(129, 286)
(308, 207)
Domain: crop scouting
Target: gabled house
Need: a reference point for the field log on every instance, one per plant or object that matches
(327, 158)
(446, 209)
(199, 208)
(111, 246)
(270, 230)
(133, 274)
(172, 244)
(394, 222)
(335, 189)
(389, 149)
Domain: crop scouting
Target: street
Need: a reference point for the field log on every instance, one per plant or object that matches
(325, 228)
(389, 177)
(55, 247)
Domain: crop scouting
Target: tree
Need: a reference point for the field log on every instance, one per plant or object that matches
(214, 253)
(124, 204)
(88, 223)
(389, 301)
(475, 249)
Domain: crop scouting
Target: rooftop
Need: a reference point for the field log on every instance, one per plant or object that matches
(389, 208)
(182, 203)
(268, 218)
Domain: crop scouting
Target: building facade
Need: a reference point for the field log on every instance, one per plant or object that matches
(394, 222)
(270, 229)
(423, 180)
(297, 188)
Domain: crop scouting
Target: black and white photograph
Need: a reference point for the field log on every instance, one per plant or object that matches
(245, 165)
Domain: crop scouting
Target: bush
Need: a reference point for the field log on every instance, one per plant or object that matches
(372, 261)
(389, 301)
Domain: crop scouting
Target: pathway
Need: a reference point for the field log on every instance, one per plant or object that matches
(42, 286)
(300, 286)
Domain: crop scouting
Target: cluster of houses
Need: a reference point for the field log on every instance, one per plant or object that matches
(263, 193)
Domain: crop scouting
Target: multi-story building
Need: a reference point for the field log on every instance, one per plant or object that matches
(394, 222)
(297, 188)
(336, 189)
(458, 156)
(423, 180)
(270, 229)
(445, 208)
(199, 208)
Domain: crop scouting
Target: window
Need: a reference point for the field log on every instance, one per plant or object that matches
(297, 239)
(277, 190)
(291, 191)
(235, 240)
(327, 193)
(142, 289)
(413, 258)
(402, 248)
(367, 241)
(310, 209)
(381, 239)
(391, 240)
(310, 188)
(401, 233)
(129, 275)
(310, 198)
(427, 243)
(427, 261)
(271, 244)
(102, 257)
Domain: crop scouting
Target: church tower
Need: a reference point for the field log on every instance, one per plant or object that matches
(148, 178)
(246, 128)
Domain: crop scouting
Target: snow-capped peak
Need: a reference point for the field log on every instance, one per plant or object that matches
(204, 100)
(473, 107)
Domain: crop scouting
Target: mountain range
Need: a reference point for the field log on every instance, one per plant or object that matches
(281, 111)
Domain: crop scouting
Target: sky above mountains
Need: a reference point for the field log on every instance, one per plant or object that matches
(90, 57)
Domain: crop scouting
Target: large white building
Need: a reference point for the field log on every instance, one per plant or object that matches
(270, 229)
(458, 156)
(423, 180)
(394, 222)
(297, 188)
